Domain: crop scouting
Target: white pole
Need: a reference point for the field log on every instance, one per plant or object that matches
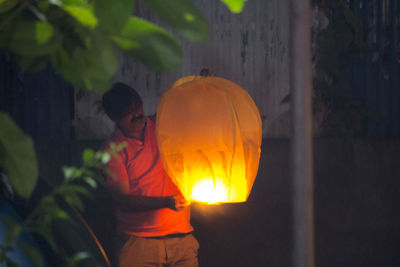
(301, 86)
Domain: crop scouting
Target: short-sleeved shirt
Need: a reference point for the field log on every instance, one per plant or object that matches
(139, 163)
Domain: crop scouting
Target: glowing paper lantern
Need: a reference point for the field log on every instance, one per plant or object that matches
(209, 137)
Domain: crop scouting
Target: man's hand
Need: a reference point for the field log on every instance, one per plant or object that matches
(132, 203)
(177, 202)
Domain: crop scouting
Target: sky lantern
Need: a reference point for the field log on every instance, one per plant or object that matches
(209, 137)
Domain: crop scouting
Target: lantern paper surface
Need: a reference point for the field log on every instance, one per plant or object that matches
(209, 137)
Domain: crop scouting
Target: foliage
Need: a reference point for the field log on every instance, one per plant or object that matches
(235, 6)
(77, 183)
(81, 38)
(17, 157)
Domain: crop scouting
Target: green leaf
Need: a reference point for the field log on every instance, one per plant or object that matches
(57, 2)
(126, 44)
(88, 155)
(64, 64)
(90, 181)
(68, 172)
(76, 258)
(17, 157)
(43, 32)
(80, 256)
(33, 38)
(72, 189)
(91, 67)
(6, 5)
(183, 16)
(46, 232)
(112, 17)
(114, 148)
(235, 6)
(13, 229)
(105, 157)
(73, 2)
(32, 64)
(82, 14)
(78, 173)
(43, 5)
(74, 200)
(151, 45)
(33, 253)
(61, 214)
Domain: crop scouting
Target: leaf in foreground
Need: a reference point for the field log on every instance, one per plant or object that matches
(235, 6)
(17, 157)
(33, 253)
(33, 38)
(150, 44)
(112, 17)
(183, 16)
(90, 67)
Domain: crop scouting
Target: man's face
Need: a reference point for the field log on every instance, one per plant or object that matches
(133, 123)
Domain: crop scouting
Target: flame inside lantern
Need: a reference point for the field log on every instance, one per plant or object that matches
(210, 192)
(213, 191)
(209, 137)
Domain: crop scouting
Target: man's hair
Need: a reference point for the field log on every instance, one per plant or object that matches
(120, 100)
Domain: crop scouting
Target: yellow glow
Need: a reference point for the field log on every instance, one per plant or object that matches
(209, 192)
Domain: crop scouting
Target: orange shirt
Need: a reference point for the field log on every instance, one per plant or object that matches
(140, 164)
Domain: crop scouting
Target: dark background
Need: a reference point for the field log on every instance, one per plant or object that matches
(357, 185)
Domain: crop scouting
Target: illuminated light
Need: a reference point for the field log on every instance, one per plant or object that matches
(209, 191)
(209, 138)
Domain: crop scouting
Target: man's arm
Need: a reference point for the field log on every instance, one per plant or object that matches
(131, 203)
(118, 185)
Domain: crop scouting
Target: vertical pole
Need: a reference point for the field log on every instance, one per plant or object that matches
(301, 84)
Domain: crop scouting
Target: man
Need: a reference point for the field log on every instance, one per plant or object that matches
(153, 219)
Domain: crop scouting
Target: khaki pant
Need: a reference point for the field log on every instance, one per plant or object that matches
(164, 251)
